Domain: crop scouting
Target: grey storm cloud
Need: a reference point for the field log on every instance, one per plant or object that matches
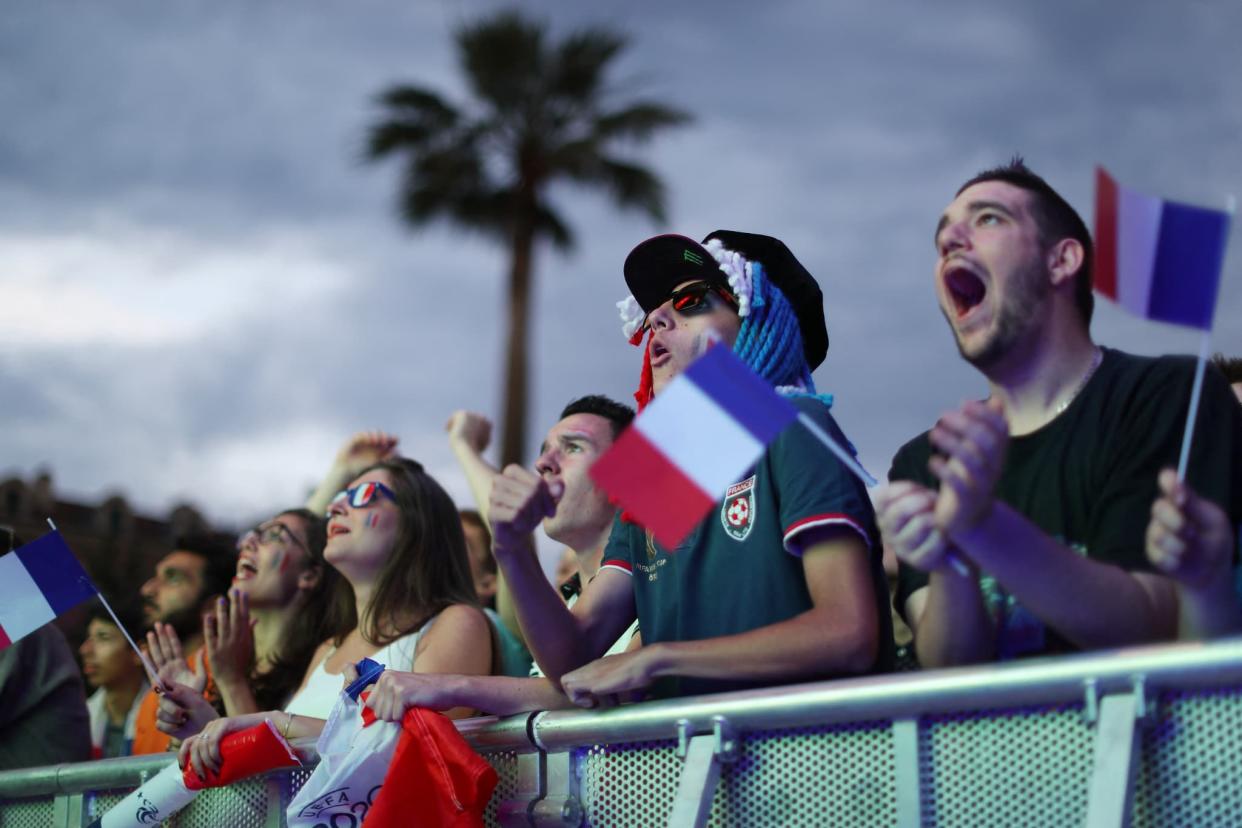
(245, 298)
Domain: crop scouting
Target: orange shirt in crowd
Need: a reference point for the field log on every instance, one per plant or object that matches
(147, 737)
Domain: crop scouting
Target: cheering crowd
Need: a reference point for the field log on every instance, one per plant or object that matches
(1045, 519)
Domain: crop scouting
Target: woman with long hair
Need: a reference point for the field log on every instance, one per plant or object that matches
(395, 537)
(284, 602)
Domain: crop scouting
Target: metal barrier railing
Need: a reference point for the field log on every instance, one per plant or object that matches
(1148, 736)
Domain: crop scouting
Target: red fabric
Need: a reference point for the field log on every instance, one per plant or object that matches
(434, 779)
(645, 381)
(245, 753)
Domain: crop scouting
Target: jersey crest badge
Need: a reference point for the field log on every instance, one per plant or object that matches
(737, 514)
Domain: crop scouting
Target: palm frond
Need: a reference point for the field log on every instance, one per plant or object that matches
(578, 65)
(503, 59)
(637, 122)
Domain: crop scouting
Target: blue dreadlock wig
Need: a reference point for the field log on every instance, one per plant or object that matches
(770, 341)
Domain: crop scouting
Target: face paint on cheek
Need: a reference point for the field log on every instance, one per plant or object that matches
(372, 520)
(282, 561)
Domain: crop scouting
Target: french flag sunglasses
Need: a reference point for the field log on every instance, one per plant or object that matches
(362, 495)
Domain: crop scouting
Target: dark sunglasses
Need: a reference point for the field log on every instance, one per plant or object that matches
(692, 298)
(362, 495)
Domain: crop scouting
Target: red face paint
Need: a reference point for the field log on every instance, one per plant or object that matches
(372, 519)
(282, 560)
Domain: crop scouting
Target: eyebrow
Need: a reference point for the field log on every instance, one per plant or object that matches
(971, 208)
(571, 436)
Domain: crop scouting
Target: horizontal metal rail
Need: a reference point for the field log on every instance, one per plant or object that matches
(1046, 681)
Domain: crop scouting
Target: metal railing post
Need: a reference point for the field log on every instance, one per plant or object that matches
(907, 774)
(703, 757)
(1111, 791)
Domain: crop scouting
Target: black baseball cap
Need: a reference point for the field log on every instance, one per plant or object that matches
(655, 267)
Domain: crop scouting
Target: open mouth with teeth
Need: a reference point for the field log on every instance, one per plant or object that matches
(245, 569)
(965, 289)
(337, 529)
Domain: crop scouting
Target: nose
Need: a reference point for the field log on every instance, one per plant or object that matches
(148, 589)
(85, 648)
(337, 507)
(546, 464)
(954, 236)
(662, 317)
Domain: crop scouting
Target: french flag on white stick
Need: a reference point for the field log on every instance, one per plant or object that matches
(38, 582)
(1158, 259)
(704, 429)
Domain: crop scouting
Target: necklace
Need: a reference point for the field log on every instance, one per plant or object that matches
(1095, 363)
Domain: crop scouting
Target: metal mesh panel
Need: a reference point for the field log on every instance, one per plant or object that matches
(100, 802)
(1025, 767)
(240, 805)
(1190, 771)
(506, 765)
(628, 786)
(821, 776)
(26, 813)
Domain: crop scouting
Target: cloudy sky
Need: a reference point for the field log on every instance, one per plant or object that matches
(202, 290)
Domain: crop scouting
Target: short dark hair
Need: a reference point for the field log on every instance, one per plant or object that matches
(1231, 367)
(619, 414)
(128, 611)
(1055, 218)
(219, 560)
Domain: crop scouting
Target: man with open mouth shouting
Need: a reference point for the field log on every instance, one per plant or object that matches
(1019, 520)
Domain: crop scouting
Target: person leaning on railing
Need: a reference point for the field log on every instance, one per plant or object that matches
(395, 536)
(1019, 521)
(285, 601)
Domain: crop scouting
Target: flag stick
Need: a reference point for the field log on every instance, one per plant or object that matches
(854, 466)
(836, 448)
(152, 673)
(1231, 206)
(1196, 390)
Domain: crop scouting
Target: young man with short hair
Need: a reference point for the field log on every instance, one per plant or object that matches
(1019, 521)
(581, 519)
(114, 670)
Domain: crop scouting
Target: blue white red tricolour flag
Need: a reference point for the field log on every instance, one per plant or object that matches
(1158, 259)
(38, 582)
(697, 436)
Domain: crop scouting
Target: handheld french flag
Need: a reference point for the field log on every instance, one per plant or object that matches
(38, 582)
(1158, 259)
(708, 426)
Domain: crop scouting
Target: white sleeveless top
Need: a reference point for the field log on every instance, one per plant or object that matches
(322, 689)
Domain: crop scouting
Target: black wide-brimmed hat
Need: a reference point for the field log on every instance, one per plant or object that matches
(658, 265)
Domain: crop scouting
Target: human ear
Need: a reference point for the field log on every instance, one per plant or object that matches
(1065, 260)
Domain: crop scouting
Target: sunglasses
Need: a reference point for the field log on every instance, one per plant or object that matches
(692, 298)
(362, 495)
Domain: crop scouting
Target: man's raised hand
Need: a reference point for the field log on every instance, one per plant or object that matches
(519, 500)
(973, 441)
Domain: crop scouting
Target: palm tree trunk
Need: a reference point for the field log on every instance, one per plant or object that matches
(513, 430)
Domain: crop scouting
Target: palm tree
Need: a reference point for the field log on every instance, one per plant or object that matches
(540, 112)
